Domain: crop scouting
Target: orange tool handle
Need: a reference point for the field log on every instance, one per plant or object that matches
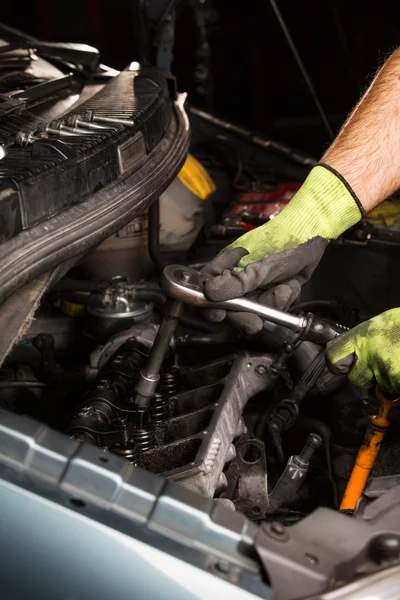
(368, 452)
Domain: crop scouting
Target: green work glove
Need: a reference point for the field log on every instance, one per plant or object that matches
(370, 352)
(285, 250)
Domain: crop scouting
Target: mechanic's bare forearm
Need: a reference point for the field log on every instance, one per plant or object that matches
(367, 150)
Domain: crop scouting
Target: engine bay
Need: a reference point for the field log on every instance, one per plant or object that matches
(239, 419)
(114, 386)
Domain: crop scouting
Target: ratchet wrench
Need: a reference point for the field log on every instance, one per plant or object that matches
(185, 284)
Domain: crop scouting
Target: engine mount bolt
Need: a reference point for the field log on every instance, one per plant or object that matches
(278, 528)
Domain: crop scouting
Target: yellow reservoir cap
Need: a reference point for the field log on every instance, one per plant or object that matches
(194, 176)
(72, 309)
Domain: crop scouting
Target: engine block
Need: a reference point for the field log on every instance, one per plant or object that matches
(195, 443)
(187, 435)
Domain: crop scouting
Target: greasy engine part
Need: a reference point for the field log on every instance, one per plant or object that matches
(184, 285)
(108, 416)
(196, 442)
(252, 483)
(186, 435)
(118, 310)
(168, 387)
(288, 409)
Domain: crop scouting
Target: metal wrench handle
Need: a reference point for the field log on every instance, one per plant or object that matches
(185, 284)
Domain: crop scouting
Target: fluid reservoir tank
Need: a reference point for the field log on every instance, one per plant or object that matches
(181, 218)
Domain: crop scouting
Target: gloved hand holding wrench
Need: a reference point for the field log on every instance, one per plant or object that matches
(185, 286)
(270, 263)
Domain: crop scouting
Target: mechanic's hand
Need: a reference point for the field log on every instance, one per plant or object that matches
(284, 251)
(370, 352)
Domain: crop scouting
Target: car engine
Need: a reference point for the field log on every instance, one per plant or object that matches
(95, 203)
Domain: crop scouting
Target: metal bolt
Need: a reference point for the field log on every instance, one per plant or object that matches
(91, 117)
(59, 125)
(185, 276)
(60, 132)
(278, 528)
(75, 121)
(261, 370)
(24, 138)
(53, 131)
(226, 503)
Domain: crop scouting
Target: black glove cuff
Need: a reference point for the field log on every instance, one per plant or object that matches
(346, 184)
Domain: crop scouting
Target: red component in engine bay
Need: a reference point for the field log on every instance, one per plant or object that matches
(265, 205)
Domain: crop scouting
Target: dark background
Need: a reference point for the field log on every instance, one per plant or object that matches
(254, 78)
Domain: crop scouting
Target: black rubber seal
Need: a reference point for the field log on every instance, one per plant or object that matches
(346, 184)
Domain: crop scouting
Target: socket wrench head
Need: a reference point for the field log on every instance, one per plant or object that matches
(184, 284)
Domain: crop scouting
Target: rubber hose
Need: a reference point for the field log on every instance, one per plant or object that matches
(75, 285)
(153, 236)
